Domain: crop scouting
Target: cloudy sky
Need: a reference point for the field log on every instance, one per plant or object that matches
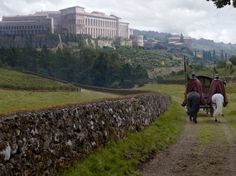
(195, 18)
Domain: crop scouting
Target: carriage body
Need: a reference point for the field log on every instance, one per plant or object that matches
(206, 83)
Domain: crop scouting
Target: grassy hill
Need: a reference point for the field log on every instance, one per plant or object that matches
(24, 92)
(10, 79)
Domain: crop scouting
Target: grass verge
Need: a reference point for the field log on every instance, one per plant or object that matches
(122, 157)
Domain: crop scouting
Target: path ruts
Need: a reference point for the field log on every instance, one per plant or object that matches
(188, 157)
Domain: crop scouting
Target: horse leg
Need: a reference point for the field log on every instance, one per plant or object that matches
(195, 118)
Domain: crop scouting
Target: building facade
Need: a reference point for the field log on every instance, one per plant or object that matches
(76, 20)
(26, 25)
(56, 19)
(176, 40)
(124, 31)
(73, 20)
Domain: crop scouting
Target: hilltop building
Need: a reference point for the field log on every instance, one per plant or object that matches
(138, 40)
(23, 25)
(55, 16)
(73, 20)
(176, 40)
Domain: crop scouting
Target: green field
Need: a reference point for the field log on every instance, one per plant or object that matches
(24, 92)
(15, 101)
(10, 79)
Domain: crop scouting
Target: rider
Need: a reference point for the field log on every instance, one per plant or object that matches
(193, 97)
(217, 86)
(193, 85)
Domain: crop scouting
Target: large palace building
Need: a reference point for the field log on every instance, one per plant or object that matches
(73, 20)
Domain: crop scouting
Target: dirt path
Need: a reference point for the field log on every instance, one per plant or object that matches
(189, 157)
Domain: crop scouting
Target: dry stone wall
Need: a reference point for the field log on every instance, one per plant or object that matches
(40, 143)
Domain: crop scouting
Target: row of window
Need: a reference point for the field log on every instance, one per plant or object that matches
(22, 27)
(100, 32)
(97, 22)
(23, 32)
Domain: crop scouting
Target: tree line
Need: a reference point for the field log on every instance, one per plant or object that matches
(98, 67)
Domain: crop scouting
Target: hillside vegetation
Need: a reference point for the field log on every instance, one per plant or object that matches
(98, 67)
(11, 79)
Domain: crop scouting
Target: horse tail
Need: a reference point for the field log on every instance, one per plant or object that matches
(219, 107)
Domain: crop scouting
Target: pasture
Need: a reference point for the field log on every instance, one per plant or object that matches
(21, 92)
(12, 101)
(10, 79)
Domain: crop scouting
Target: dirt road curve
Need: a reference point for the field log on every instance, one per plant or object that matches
(205, 149)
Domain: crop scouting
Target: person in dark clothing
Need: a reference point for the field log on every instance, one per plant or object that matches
(217, 86)
(193, 97)
(194, 85)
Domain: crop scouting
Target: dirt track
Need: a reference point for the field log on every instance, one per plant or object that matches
(192, 157)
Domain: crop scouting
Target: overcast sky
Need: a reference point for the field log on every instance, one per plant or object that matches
(195, 18)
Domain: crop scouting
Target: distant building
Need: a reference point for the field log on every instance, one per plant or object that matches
(73, 20)
(138, 40)
(76, 20)
(56, 16)
(124, 31)
(151, 43)
(23, 25)
(126, 42)
(176, 40)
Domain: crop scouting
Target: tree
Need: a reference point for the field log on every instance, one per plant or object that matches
(181, 38)
(233, 60)
(223, 3)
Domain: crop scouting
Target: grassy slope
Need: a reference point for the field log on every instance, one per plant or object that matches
(122, 157)
(17, 80)
(14, 101)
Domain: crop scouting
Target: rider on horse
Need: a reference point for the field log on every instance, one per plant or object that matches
(193, 97)
(217, 86)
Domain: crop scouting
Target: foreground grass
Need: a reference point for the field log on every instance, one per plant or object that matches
(15, 101)
(122, 157)
(16, 80)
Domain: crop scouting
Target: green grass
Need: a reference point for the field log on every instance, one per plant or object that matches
(15, 101)
(209, 132)
(174, 90)
(122, 157)
(230, 110)
(16, 80)
(223, 72)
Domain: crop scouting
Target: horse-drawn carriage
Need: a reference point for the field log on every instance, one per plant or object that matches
(206, 83)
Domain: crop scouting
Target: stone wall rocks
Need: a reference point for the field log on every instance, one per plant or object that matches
(40, 143)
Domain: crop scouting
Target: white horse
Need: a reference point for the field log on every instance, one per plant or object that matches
(217, 104)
